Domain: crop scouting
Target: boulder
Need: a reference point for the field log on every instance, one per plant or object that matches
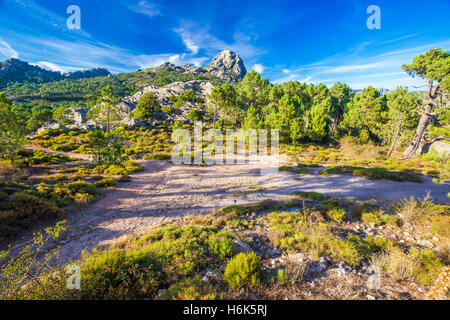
(132, 123)
(79, 115)
(51, 126)
(440, 146)
(240, 246)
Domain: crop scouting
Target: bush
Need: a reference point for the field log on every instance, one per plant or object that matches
(221, 246)
(194, 114)
(158, 156)
(371, 173)
(237, 209)
(191, 289)
(331, 204)
(336, 214)
(243, 270)
(418, 264)
(128, 167)
(115, 170)
(309, 195)
(27, 206)
(3, 196)
(379, 218)
(81, 186)
(113, 274)
(105, 183)
(132, 167)
(299, 170)
(371, 218)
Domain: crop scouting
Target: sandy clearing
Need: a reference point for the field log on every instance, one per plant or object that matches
(164, 191)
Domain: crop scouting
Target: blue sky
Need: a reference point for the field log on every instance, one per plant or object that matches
(305, 40)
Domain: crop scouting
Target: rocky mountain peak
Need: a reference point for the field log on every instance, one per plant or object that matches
(227, 64)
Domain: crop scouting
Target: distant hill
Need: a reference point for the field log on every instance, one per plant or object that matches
(15, 70)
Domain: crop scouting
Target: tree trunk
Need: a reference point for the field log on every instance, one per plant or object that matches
(394, 140)
(410, 152)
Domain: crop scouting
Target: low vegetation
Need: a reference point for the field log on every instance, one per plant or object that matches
(210, 256)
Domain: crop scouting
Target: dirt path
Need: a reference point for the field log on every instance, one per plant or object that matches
(165, 190)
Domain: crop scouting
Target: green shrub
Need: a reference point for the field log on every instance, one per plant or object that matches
(114, 274)
(372, 173)
(105, 183)
(429, 265)
(281, 276)
(239, 210)
(441, 226)
(115, 170)
(380, 243)
(158, 156)
(238, 223)
(194, 114)
(336, 214)
(379, 218)
(221, 246)
(132, 167)
(27, 206)
(191, 289)
(243, 271)
(168, 109)
(309, 195)
(390, 219)
(81, 186)
(331, 204)
(371, 218)
(3, 196)
(299, 170)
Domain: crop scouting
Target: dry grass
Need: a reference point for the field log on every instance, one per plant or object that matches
(295, 270)
(395, 264)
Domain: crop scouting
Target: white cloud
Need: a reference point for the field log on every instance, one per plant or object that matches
(353, 68)
(286, 71)
(258, 68)
(187, 40)
(54, 67)
(147, 8)
(6, 51)
(197, 38)
(359, 71)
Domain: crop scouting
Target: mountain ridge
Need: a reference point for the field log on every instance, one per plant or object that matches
(16, 70)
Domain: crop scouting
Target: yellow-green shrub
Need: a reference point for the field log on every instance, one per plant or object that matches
(105, 183)
(243, 270)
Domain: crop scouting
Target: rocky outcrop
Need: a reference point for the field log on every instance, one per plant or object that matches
(132, 122)
(228, 66)
(98, 72)
(79, 115)
(203, 88)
